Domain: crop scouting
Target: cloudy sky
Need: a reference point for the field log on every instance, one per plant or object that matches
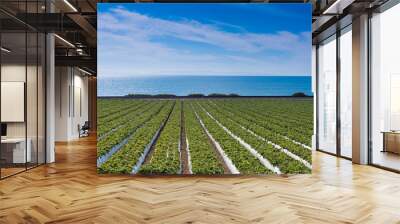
(204, 39)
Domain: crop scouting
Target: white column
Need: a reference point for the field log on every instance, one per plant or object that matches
(50, 101)
(50, 92)
(360, 89)
(314, 88)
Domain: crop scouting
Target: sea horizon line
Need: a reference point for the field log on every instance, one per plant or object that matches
(157, 76)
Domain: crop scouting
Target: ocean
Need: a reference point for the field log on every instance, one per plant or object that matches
(184, 85)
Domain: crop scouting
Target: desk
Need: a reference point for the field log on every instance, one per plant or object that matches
(13, 150)
(391, 141)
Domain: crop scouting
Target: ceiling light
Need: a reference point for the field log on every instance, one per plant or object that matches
(79, 51)
(70, 5)
(86, 72)
(334, 5)
(337, 7)
(65, 41)
(5, 50)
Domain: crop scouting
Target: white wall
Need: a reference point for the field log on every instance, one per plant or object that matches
(62, 82)
(71, 94)
(81, 114)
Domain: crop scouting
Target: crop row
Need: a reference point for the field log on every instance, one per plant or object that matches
(107, 143)
(116, 110)
(127, 157)
(264, 121)
(300, 126)
(262, 128)
(245, 134)
(203, 157)
(105, 103)
(283, 110)
(244, 161)
(165, 158)
(122, 113)
(275, 156)
(296, 109)
(302, 108)
(278, 117)
(106, 127)
(108, 107)
(285, 113)
(255, 125)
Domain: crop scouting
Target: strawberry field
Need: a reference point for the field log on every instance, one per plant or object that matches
(207, 136)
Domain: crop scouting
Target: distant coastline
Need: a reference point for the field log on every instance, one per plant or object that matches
(184, 86)
(167, 96)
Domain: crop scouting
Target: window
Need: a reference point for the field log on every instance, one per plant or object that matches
(385, 89)
(22, 87)
(327, 95)
(346, 92)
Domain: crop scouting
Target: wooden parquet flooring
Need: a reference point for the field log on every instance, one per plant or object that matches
(70, 191)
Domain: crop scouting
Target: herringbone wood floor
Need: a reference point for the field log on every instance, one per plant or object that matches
(70, 191)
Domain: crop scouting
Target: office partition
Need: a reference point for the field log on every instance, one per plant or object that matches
(22, 77)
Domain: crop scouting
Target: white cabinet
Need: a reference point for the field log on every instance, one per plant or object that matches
(19, 155)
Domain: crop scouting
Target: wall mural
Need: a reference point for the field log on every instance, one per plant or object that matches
(204, 89)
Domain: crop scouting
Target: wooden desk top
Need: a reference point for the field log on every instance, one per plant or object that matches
(391, 132)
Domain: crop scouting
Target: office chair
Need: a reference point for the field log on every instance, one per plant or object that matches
(84, 130)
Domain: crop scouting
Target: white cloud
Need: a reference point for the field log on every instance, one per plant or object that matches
(127, 47)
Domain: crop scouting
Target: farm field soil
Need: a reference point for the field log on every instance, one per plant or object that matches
(205, 136)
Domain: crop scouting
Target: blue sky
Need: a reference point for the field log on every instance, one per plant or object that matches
(203, 39)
